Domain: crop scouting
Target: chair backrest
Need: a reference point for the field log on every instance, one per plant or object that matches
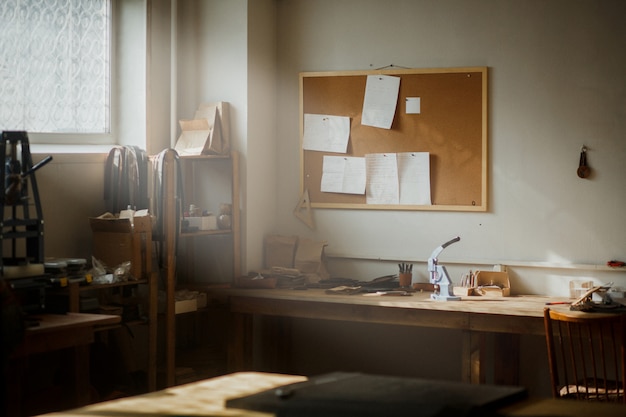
(586, 355)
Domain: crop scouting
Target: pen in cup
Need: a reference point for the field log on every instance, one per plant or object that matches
(406, 275)
(405, 268)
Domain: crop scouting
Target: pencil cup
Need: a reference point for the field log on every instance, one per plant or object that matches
(405, 279)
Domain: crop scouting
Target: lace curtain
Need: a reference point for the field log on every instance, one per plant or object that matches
(54, 65)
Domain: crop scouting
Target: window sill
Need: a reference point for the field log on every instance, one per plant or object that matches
(36, 148)
(70, 153)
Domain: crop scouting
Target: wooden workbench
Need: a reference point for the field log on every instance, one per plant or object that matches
(54, 332)
(505, 317)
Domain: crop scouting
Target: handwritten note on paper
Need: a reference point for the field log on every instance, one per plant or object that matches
(382, 179)
(381, 99)
(326, 133)
(402, 178)
(414, 178)
(342, 174)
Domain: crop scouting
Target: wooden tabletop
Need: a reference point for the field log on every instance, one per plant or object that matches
(517, 314)
(207, 398)
(53, 322)
(202, 398)
(60, 331)
(523, 305)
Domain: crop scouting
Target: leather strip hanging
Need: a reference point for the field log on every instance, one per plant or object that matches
(112, 174)
(125, 179)
(159, 199)
(137, 168)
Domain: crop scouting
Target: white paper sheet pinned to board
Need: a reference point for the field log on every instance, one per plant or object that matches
(398, 178)
(343, 174)
(381, 99)
(326, 133)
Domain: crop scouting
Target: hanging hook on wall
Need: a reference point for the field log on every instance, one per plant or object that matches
(583, 169)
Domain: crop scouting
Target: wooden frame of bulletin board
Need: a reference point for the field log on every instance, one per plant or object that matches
(451, 126)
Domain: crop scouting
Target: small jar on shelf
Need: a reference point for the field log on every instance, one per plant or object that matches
(224, 220)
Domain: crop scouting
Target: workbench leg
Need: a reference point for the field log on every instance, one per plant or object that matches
(82, 388)
(473, 363)
(240, 342)
(276, 335)
(15, 379)
(506, 358)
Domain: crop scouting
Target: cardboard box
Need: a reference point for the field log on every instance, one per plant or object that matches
(185, 306)
(207, 133)
(202, 223)
(185, 301)
(116, 241)
(490, 283)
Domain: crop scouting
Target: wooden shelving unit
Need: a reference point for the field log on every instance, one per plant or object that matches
(223, 172)
(180, 270)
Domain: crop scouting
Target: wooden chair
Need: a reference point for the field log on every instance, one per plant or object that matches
(586, 353)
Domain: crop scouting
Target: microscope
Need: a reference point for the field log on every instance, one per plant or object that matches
(439, 275)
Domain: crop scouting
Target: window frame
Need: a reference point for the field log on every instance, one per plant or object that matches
(76, 138)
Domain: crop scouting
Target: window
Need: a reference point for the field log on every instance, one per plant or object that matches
(55, 60)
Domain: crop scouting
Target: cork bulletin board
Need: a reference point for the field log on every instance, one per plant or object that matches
(451, 126)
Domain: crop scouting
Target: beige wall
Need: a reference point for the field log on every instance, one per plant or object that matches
(555, 71)
(556, 83)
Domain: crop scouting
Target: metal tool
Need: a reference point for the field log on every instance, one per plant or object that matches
(439, 275)
(21, 228)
